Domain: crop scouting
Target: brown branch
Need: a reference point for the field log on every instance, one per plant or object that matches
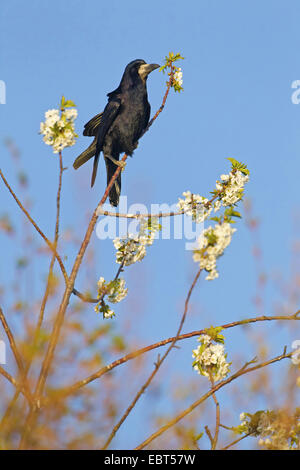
(91, 300)
(46, 294)
(66, 391)
(215, 439)
(12, 342)
(54, 337)
(9, 377)
(24, 385)
(217, 387)
(157, 366)
(236, 441)
(50, 245)
(99, 210)
(208, 433)
(56, 235)
(141, 216)
(163, 102)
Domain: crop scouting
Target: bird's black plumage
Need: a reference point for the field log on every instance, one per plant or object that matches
(121, 124)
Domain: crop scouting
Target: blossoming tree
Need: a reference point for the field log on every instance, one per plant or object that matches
(34, 402)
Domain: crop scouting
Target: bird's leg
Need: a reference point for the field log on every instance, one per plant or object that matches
(116, 162)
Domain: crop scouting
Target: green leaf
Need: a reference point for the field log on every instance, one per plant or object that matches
(231, 212)
(214, 333)
(69, 104)
(239, 166)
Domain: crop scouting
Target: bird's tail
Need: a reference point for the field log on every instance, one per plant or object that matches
(86, 155)
(115, 191)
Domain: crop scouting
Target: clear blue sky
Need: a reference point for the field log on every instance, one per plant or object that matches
(240, 61)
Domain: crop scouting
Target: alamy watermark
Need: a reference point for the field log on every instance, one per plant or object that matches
(2, 352)
(174, 224)
(2, 92)
(295, 97)
(296, 355)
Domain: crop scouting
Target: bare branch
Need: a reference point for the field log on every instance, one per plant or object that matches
(220, 385)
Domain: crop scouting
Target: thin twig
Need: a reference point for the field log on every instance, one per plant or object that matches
(9, 377)
(56, 235)
(140, 216)
(91, 300)
(17, 356)
(12, 342)
(217, 387)
(69, 390)
(209, 435)
(50, 245)
(46, 294)
(54, 337)
(236, 441)
(215, 439)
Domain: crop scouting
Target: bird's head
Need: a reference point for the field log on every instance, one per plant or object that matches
(138, 70)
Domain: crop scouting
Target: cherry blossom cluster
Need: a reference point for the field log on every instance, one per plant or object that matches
(276, 429)
(177, 81)
(133, 247)
(58, 129)
(210, 359)
(211, 245)
(114, 290)
(214, 239)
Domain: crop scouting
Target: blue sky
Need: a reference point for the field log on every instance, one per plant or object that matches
(240, 61)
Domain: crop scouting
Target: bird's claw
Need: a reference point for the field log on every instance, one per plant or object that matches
(116, 162)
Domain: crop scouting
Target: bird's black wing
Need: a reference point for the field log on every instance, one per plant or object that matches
(147, 115)
(86, 155)
(109, 115)
(91, 127)
(90, 130)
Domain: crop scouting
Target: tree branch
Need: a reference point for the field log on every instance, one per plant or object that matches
(220, 385)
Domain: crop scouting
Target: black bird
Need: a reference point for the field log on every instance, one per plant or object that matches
(121, 124)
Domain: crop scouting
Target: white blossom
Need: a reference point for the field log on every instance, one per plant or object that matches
(217, 205)
(276, 429)
(195, 206)
(132, 248)
(71, 114)
(225, 178)
(232, 187)
(178, 77)
(109, 313)
(114, 290)
(58, 130)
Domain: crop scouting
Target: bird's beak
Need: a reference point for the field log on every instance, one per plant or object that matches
(145, 69)
(152, 67)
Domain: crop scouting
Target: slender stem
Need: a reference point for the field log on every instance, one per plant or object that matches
(206, 428)
(215, 439)
(156, 368)
(69, 390)
(9, 377)
(46, 294)
(88, 299)
(17, 355)
(141, 216)
(50, 245)
(236, 441)
(12, 342)
(32, 415)
(56, 235)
